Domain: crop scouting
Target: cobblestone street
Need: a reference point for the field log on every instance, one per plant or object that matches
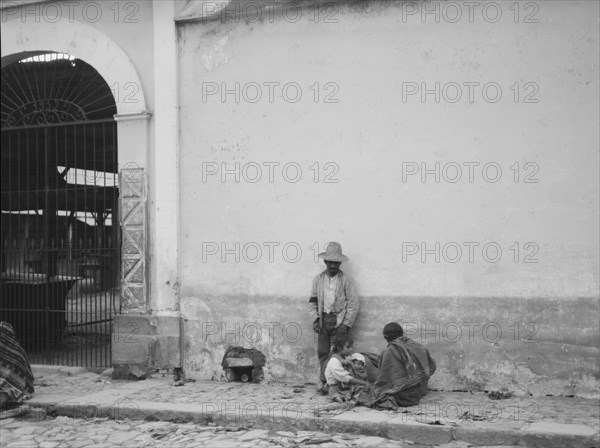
(74, 408)
(30, 431)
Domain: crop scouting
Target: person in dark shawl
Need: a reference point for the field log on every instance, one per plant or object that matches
(16, 378)
(405, 367)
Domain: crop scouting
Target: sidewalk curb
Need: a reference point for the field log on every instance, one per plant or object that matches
(113, 404)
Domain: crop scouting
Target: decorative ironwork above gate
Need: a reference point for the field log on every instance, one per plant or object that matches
(45, 112)
(51, 89)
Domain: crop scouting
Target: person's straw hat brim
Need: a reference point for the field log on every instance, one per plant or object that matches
(333, 252)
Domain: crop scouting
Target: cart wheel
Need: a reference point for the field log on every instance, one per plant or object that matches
(245, 377)
(229, 375)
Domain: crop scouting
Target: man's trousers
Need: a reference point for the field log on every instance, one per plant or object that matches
(328, 331)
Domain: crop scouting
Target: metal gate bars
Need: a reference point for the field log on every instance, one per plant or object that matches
(60, 240)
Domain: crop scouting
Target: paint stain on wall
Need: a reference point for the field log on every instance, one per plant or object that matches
(217, 55)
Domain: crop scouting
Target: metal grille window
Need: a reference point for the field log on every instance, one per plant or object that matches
(60, 233)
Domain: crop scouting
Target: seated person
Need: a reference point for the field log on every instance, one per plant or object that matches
(371, 365)
(405, 367)
(361, 394)
(357, 367)
(16, 378)
(340, 380)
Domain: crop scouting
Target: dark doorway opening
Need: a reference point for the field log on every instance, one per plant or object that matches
(60, 226)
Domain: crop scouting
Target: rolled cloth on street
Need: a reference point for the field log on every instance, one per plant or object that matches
(404, 370)
(16, 377)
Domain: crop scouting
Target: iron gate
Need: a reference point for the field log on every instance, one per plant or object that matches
(60, 233)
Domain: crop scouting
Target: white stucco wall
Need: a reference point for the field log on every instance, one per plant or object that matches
(370, 57)
(373, 56)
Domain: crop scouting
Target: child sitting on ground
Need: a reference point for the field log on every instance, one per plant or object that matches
(338, 378)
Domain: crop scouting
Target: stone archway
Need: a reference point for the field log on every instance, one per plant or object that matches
(22, 39)
(149, 299)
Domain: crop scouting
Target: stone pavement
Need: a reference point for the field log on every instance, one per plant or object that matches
(442, 419)
(67, 432)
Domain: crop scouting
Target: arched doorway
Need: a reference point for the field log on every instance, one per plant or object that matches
(60, 226)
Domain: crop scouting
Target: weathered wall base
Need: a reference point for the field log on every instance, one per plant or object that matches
(526, 346)
(143, 344)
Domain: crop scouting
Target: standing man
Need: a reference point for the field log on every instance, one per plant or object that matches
(333, 304)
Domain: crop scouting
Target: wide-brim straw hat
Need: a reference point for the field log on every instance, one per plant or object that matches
(333, 252)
